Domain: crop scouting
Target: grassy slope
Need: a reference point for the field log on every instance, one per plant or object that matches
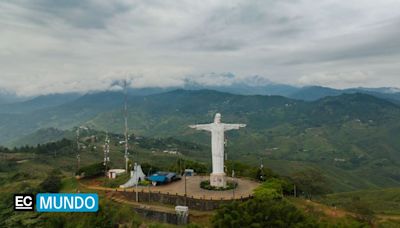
(382, 201)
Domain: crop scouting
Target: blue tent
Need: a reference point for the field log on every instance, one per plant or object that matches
(162, 177)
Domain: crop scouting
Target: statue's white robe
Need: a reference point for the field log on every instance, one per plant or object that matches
(217, 142)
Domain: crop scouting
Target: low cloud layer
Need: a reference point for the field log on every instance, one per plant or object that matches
(80, 45)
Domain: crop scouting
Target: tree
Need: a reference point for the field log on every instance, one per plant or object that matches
(266, 209)
(52, 183)
(92, 170)
(260, 212)
(271, 189)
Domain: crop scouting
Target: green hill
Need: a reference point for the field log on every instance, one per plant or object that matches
(382, 201)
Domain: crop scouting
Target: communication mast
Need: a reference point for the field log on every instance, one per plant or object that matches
(126, 126)
(78, 148)
(78, 156)
(106, 153)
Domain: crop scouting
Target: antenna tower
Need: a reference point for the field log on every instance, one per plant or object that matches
(106, 152)
(78, 156)
(126, 126)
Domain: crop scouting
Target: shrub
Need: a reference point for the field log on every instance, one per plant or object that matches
(261, 213)
(271, 189)
(52, 183)
(229, 185)
(93, 170)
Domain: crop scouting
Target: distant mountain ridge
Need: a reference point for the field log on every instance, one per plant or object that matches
(347, 134)
(67, 110)
(312, 93)
(7, 97)
(36, 103)
(253, 86)
(353, 133)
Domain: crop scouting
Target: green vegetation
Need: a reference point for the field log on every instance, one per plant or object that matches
(182, 164)
(109, 215)
(272, 189)
(261, 213)
(380, 201)
(229, 186)
(52, 183)
(115, 183)
(93, 170)
(352, 139)
(266, 209)
(336, 144)
(310, 182)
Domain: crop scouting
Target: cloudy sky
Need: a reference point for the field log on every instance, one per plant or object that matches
(51, 46)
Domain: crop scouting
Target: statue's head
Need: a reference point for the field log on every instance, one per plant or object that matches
(217, 118)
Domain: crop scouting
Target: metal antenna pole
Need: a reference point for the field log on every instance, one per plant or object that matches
(184, 174)
(262, 174)
(137, 182)
(78, 156)
(233, 180)
(106, 153)
(126, 126)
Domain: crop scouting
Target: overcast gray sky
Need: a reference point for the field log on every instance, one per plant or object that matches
(78, 45)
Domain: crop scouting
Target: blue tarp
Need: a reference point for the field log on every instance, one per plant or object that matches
(162, 177)
(157, 178)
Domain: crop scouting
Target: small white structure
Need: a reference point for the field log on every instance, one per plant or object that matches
(217, 129)
(189, 172)
(137, 175)
(113, 173)
(183, 214)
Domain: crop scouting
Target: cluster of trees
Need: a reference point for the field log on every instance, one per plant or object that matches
(182, 164)
(244, 170)
(52, 183)
(52, 147)
(109, 215)
(93, 170)
(307, 183)
(268, 208)
(162, 143)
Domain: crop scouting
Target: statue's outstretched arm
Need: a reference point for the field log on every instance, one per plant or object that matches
(206, 127)
(228, 127)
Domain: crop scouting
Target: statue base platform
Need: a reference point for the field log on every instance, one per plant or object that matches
(218, 180)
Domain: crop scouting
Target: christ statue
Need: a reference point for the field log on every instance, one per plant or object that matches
(217, 129)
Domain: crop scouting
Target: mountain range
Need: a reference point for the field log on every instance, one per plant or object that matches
(252, 86)
(351, 137)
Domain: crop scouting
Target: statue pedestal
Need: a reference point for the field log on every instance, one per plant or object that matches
(218, 180)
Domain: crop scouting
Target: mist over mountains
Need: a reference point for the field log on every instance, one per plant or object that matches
(227, 83)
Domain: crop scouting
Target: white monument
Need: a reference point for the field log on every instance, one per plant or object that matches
(217, 129)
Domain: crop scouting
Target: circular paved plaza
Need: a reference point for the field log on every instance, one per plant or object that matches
(244, 189)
